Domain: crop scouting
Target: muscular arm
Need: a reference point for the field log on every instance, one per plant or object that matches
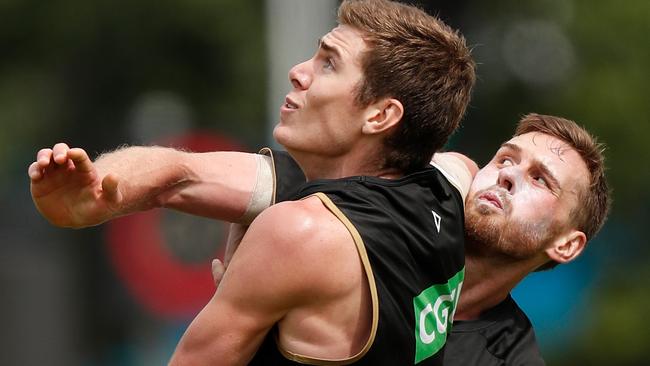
(277, 270)
(72, 191)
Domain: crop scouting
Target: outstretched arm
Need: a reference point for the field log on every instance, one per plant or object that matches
(70, 190)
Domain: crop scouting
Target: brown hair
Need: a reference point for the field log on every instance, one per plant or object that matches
(594, 200)
(420, 61)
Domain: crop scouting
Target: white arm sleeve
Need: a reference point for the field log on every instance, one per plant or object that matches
(262, 196)
(455, 170)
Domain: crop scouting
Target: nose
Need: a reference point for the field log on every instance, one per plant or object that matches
(299, 76)
(507, 178)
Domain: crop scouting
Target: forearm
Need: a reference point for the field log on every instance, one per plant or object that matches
(216, 185)
(144, 173)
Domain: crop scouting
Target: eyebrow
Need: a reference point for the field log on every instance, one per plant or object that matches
(511, 146)
(329, 48)
(536, 163)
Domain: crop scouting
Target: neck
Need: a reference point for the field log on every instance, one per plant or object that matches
(488, 281)
(349, 164)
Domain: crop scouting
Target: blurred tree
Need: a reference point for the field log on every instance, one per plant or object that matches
(74, 71)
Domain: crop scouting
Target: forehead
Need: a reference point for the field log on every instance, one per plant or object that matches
(561, 159)
(347, 41)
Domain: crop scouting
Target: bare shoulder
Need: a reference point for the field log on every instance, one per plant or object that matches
(307, 238)
(307, 221)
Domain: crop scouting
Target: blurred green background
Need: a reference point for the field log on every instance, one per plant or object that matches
(101, 74)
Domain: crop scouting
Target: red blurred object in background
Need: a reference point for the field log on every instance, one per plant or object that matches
(164, 257)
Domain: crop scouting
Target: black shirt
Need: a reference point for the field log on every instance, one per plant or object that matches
(502, 335)
(409, 236)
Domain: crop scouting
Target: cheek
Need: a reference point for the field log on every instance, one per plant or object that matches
(532, 206)
(485, 178)
(332, 90)
(324, 110)
(336, 114)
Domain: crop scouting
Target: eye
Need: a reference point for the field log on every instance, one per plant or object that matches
(541, 181)
(328, 64)
(505, 161)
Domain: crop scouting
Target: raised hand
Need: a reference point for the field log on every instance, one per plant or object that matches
(68, 190)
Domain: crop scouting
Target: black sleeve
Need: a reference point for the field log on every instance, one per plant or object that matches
(287, 174)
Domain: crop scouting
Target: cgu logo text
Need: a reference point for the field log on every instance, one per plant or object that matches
(434, 313)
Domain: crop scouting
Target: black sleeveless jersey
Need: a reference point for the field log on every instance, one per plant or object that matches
(501, 336)
(409, 236)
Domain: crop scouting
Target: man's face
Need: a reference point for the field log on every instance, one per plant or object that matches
(521, 200)
(319, 114)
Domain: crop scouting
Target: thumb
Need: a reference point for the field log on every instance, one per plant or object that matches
(217, 271)
(110, 185)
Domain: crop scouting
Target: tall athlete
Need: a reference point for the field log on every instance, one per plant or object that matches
(351, 270)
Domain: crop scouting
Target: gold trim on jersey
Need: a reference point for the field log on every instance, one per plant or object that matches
(363, 255)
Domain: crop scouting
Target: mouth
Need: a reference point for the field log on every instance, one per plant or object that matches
(290, 103)
(492, 198)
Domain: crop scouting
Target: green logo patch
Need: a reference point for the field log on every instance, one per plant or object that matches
(434, 313)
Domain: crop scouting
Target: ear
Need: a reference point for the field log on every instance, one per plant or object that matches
(382, 116)
(567, 247)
